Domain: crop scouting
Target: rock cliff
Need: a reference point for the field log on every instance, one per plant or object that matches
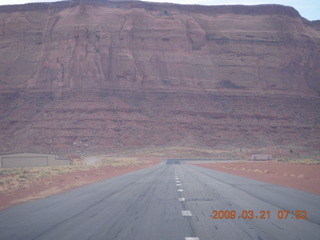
(100, 75)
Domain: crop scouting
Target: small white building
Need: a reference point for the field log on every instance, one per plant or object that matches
(31, 160)
(261, 157)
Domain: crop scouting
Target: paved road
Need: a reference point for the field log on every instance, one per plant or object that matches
(167, 201)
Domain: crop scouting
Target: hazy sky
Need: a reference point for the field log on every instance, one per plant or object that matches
(309, 9)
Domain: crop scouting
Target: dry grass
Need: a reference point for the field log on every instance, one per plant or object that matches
(300, 155)
(314, 160)
(13, 178)
(179, 152)
(118, 161)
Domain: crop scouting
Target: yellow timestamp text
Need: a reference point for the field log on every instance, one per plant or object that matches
(263, 214)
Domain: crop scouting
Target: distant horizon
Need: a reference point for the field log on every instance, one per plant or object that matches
(309, 9)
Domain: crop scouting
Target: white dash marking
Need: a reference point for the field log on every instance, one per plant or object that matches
(181, 199)
(177, 181)
(186, 213)
(178, 184)
(191, 238)
(180, 190)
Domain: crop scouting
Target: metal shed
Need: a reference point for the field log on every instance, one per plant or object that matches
(261, 157)
(31, 160)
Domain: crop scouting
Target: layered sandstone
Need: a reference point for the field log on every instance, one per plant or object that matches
(99, 75)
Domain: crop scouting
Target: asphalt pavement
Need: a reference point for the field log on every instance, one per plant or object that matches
(168, 202)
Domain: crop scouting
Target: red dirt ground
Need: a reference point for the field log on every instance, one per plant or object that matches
(305, 177)
(298, 176)
(65, 182)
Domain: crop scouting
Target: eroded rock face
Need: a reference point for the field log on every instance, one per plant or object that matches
(101, 75)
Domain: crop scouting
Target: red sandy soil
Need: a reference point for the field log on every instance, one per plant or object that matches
(305, 177)
(65, 182)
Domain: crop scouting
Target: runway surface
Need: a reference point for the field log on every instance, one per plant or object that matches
(168, 202)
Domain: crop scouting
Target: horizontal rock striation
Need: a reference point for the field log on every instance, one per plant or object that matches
(101, 75)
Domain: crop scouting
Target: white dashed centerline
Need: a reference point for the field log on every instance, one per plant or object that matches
(186, 213)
